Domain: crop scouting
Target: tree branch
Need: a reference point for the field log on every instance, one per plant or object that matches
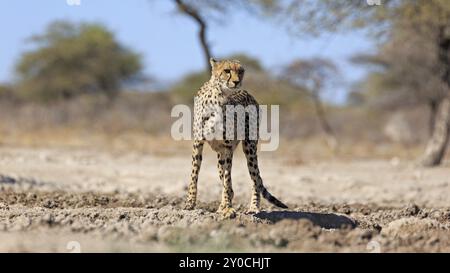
(194, 14)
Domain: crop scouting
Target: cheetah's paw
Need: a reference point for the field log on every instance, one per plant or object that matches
(227, 213)
(252, 210)
(189, 205)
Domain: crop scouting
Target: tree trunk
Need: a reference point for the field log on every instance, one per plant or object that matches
(195, 15)
(434, 106)
(323, 122)
(444, 54)
(436, 147)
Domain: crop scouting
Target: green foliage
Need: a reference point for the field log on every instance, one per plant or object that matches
(6, 92)
(249, 63)
(186, 89)
(270, 90)
(72, 59)
(311, 74)
(376, 90)
(315, 17)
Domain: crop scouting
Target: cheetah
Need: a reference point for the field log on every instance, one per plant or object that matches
(223, 89)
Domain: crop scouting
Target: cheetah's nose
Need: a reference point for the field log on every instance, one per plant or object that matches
(236, 83)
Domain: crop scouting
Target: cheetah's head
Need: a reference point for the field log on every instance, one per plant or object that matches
(229, 73)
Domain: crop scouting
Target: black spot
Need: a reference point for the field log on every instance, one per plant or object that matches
(221, 162)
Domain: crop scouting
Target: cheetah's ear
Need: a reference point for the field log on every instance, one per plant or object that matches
(213, 62)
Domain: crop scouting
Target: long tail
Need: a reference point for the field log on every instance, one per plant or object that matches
(269, 197)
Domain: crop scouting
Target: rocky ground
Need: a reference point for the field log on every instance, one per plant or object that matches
(72, 200)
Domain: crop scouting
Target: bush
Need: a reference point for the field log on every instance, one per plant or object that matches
(72, 59)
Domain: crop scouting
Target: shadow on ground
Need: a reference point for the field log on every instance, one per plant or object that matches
(324, 220)
(6, 180)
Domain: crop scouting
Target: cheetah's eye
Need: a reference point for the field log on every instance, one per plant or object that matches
(227, 71)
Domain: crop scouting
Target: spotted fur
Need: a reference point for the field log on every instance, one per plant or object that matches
(222, 90)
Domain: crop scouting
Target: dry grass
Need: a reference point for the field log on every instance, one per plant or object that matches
(141, 122)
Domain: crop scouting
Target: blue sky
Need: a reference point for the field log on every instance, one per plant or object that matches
(167, 40)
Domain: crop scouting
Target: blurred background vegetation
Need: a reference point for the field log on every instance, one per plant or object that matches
(79, 79)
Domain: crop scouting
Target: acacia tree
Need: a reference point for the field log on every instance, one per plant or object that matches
(430, 18)
(407, 73)
(313, 76)
(72, 59)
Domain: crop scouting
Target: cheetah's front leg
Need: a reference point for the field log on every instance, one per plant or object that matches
(196, 164)
(226, 205)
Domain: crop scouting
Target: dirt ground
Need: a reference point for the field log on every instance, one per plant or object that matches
(92, 200)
